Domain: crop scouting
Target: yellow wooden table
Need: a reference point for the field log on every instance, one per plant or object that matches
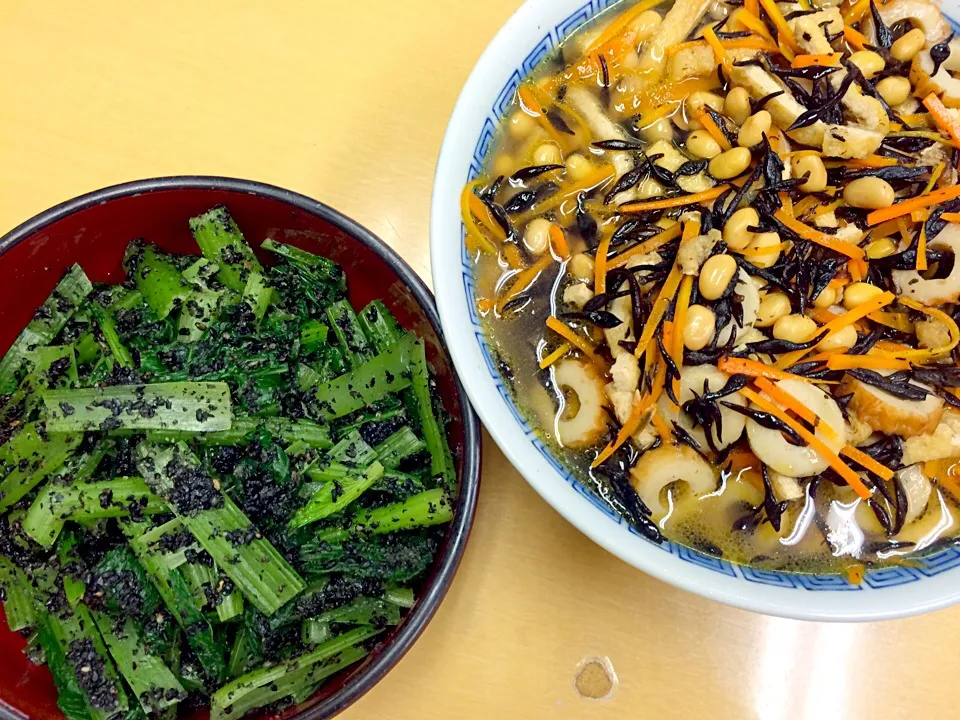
(347, 102)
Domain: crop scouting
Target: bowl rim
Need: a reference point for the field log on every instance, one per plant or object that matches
(503, 64)
(446, 567)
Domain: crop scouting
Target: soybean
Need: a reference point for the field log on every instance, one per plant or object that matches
(701, 144)
(715, 276)
(700, 327)
(907, 46)
(754, 129)
(811, 167)
(870, 193)
(735, 232)
(731, 163)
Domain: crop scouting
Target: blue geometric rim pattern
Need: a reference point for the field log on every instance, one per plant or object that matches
(878, 579)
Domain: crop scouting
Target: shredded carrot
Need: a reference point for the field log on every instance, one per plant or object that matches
(867, 462)
(619, 25)
(820, 238)
(691, 228)
(558, 240)
(667, 291)
(896, 320)
(512, 256)
(524, 279)
(950, 217)
(925, 354)
(871, 161)
(824, 209)
(715, 132)
(855, 38)
(919, 216)
(679, 322)
(922, 249)
(577, 341)
(842, 361)
(752, 368)
(828, 60)
(752, 22)
(752, 7)
(600, 265)
(904, 229)
(718, 50)
(754, 251)
(657, 95)
(843, 470)
(855, 574)
(635, 421)
(905, 207)
(857, 269)
(856, 12)
(943, 117)
(838, 323)
(784, 49)
(467, 213)
(645, 247)
(663, 430)
(791, 403)
(745, 43)
(805, 205)
(532, 107)
(554, 356)
(780, 22)
(934, 176)
(692, 199)
(600, 176)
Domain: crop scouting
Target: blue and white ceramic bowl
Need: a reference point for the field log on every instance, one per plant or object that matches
(538, 27)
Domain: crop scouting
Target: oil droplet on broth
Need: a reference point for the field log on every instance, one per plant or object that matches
(595, 679)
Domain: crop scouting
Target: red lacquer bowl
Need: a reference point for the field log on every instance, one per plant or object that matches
(94, 229)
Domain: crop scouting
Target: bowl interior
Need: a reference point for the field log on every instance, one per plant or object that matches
(94, 231)
(536, 30)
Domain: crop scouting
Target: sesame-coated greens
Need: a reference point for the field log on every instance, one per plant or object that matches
(220, 482)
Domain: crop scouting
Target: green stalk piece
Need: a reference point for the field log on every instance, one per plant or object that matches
(151, 681)
(167, 578)
(268, 685)
(158, 280)
(82, 502)
(334, 496)
(323, 268)
(121, 354)
(355, 345)
(425, 509)
(441, 460)
(56, 366)
(48, 321)
(313, 335)
(184, 406)
(244, 428)
(379, 325)
(17, 598)
(399, 446)
(87, 681)
(257, 294)
(431, 507)
(221, 242)
(386, 373)
(249, 560)
(30, 456)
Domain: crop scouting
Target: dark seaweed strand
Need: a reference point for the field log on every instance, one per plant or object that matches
(533, 171)
(682, 437)
(939, 54)
(773, 509)
(615, 278)
(764, 419)
(884, 36)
